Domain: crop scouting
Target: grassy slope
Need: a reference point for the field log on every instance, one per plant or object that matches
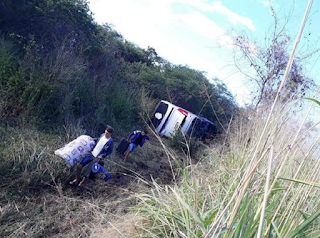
(253, 176)
(225, 186)
(38, 202)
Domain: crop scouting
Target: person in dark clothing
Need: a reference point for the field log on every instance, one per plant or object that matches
(135, 139)
(94, 168)
(103, 148)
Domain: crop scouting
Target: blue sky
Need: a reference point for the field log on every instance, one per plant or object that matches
(194, 32)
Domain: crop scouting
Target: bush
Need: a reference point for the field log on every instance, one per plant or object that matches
(189, 146)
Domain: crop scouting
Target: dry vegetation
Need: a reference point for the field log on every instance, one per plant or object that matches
(163, 192)
(37, 200)
(253, 176)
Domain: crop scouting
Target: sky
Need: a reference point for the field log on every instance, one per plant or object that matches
(196, 33)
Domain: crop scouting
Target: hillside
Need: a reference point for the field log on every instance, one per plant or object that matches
(59, 68)
(62, 75)
(143, 199)
(37, 200)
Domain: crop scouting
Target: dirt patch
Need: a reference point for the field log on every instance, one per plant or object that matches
(149, 162)
(142, 167)
(118, 228)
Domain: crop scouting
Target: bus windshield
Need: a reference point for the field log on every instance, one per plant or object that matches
(159, 114)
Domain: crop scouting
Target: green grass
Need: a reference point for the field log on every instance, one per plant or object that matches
(253, 184)
(228, 194)
(36, 200)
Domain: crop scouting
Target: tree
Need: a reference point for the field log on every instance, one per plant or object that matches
(59, 67)
(268, 63)
(47, 22)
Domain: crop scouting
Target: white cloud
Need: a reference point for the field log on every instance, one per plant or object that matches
(154, 23)
(266, 3)
(202, 25)
(217, 6)
(142, 15)
(233, 17)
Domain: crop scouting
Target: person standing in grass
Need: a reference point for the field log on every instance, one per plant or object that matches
(103, 148)
(135, 139)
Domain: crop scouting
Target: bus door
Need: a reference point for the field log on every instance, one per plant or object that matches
(174, 122)
(186, 124)
(207, 128)
(194, 129)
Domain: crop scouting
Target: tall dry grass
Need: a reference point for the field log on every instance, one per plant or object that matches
(239, 188)
(36, 200)
(264, 184)
(252, 185)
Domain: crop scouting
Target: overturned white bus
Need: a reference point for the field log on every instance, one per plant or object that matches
(168, 118)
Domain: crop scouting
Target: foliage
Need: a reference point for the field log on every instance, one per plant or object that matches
(189, 89)
(36, 200)
(264, 64)
(189, 146)
(238, 197)
(59, 67)
(47, 22)
(180, 213)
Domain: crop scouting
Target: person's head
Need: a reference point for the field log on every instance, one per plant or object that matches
(108, 132)
(144, 132)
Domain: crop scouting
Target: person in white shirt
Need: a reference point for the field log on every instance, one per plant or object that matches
(103, 148)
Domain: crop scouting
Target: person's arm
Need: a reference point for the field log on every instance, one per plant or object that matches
(144, 139)
(131, 134)
(110, 149)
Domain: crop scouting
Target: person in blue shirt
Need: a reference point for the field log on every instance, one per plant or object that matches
(135, 139)
(103, 148)
(93, 169)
